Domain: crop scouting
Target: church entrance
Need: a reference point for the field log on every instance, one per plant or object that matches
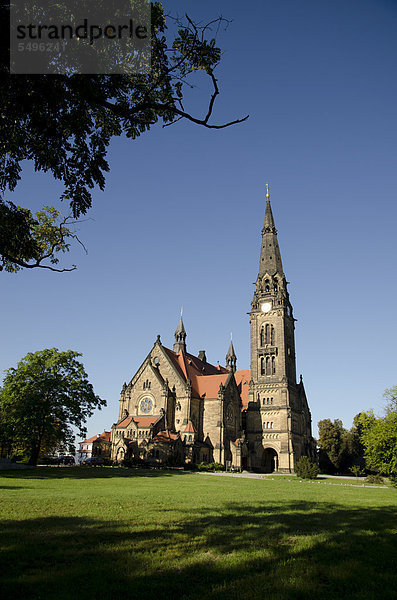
(269, 460)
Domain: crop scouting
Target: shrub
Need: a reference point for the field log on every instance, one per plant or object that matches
(306, 469)
(212, 466)
(190, 467)
(217, 466)
(377, 479)
(393, 480)
(357, 471)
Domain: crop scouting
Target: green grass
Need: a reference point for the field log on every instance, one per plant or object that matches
(115, 534)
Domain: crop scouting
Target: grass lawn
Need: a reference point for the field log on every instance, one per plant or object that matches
(119, 534)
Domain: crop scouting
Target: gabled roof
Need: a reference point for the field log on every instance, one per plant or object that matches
(189, 428)
(144, 421)
(125, 422)
(165, 436)
(191, 367)
(242, 379)
(104, 437)
(208, 387)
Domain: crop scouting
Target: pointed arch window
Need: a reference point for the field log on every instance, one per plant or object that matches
(262, 336)
(273, 365)
(267, 334)
(272, 335)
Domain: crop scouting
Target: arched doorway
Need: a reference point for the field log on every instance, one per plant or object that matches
(269, 460)
(120, 455)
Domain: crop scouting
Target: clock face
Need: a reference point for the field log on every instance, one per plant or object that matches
(266, 306)
(146, 405)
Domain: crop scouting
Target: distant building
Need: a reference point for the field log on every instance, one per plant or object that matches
(97, 445)
(179, 408)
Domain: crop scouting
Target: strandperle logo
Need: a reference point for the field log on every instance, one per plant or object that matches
(82, 32)
(80, 36)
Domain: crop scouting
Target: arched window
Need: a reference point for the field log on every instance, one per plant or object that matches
(267, 333)
(272, 336)
(262, 337)
(271, 400)
(273, 365)
(268, 366)
(263, 368)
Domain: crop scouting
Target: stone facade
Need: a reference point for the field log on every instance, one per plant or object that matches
(179, 408)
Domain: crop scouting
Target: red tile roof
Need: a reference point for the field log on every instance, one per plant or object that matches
(208, 386)
(191, 367)
(146, 421)
(125, 422)
(105, 437)
(189, 428)
(204, 376)
(165, 436)
(242, 379)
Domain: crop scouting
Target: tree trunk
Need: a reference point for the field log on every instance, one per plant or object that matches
(34, 454)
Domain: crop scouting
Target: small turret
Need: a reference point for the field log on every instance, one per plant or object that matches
(231, 358)
(180, 337)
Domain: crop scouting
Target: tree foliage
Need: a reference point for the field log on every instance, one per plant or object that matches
(306, 469)
(46, 395)
(64, 124)
(379, 437)
(340, 449)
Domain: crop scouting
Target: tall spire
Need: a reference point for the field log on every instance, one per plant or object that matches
(180, 337)
(269, 221)
(231, 357)
(270, 259)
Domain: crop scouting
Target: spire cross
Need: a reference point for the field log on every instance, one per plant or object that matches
(267, 191)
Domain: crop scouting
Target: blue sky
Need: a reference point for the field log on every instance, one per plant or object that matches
(180, 219)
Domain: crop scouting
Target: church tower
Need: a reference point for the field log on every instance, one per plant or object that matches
(278, 416)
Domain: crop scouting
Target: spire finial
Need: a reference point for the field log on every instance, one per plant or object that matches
(267, 191)
(181, 311)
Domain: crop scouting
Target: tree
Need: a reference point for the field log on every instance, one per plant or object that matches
(46, 395)
(306, 469)
(64, 124)
(391, 396)
(340, 449)
(331, 444)
(379, 438)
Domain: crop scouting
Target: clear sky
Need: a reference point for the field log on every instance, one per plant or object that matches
(179, 222)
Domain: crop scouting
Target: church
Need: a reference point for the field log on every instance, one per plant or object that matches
(179, 408)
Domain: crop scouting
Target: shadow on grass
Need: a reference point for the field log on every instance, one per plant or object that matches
(283, 551)
(88, 473)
